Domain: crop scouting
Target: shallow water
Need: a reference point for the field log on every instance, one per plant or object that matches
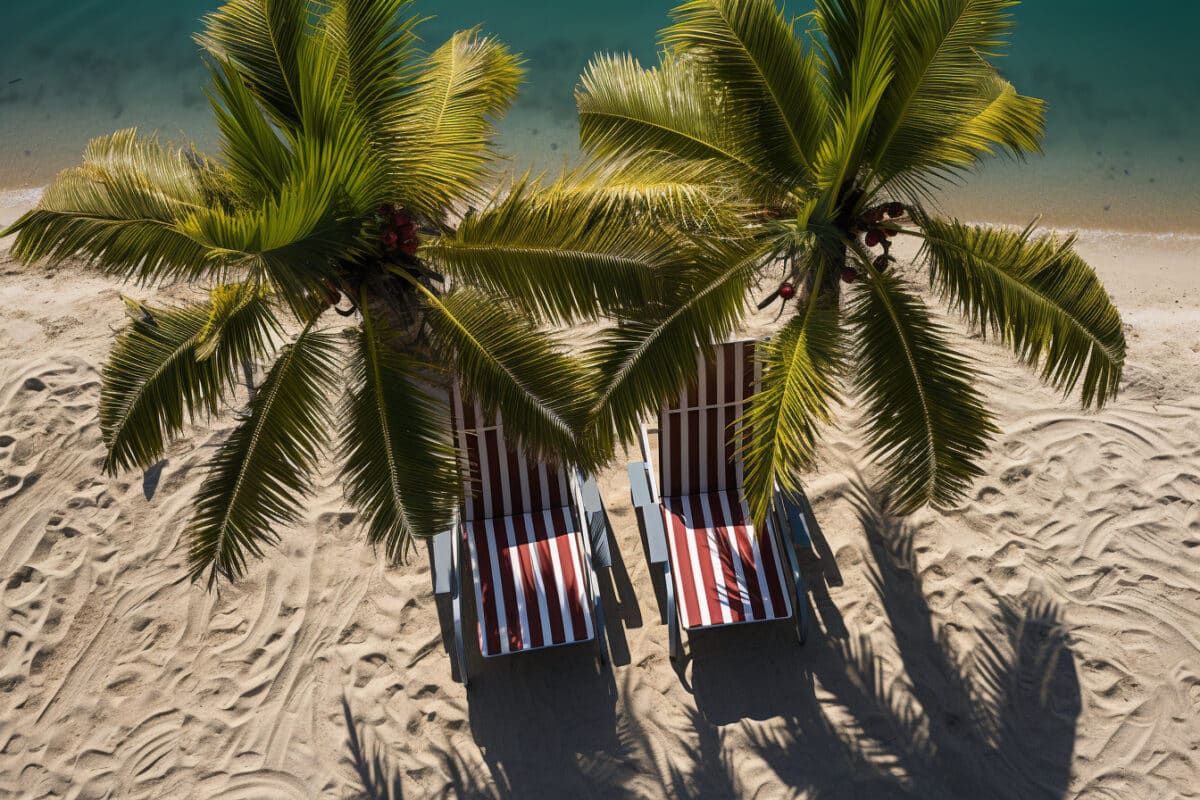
(1123, 82)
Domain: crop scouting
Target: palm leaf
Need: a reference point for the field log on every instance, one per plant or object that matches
(926, 423)
(121, 210)
(399, 468)
(645, 359)
(1039, 297)
(256, 159)
(376, 45)
(445, 147)
(514, 369)
(751, 49)
(175, 364)
(675, 111)
(263, 470)
(562, 253)
(262, 39)
(801, 366)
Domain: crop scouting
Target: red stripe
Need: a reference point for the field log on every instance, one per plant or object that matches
(714, 456)
(675, 442)
(574, 591)
(685, 581)
(554, 477)
(708, 581)
(489, 620)
(745, 532)
(521, 525)
(693, 452)
(766, 543)
(508, 589)
(544, 544)
(722, 527)
(493, 488)
(515, 499)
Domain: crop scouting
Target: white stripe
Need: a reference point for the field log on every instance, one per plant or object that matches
(497, 586)
(523, 470)
(505, 487)
(739, 569)
(669, 514)
(783, 582)
(580, 583)
(464, 457)
(564, 609)
(694, 557)
(514, 558)
(739, 393)
(534, 560)
(722, 433)
(485, 478)
(702, 421)
(714, 553)
(768, 605)
(665, 422)
(685, 473)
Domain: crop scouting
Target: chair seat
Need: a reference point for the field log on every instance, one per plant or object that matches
(724, 574)
(529, 584)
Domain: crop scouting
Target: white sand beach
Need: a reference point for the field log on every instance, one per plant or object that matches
(1076, 561)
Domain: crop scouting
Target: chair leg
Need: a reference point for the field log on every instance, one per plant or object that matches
(601, 633)
(672, 616)
(460, 651)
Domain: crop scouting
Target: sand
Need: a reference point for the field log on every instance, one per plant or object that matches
(1042, 640)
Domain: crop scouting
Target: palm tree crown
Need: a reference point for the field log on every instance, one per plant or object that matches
(354, 173)
(792, 152)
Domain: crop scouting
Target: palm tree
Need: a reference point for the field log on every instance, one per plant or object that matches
(354, 173)
(826, 138)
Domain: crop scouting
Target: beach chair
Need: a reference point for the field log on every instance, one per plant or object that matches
(534, 533)
(717, 569)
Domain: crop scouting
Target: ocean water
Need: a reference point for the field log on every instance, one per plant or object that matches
(1122, 80)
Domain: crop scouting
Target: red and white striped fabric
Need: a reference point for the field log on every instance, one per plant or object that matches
(529, 584)
(528, 567)
(725, 572)
(698, 441)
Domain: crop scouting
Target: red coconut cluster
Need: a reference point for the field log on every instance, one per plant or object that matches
(877, 236)
(399, 233)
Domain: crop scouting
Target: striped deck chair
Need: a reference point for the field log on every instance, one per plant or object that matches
(718, 570)
(535, 535)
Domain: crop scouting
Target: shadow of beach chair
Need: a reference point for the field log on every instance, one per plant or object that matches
(535, 534)
(718, 570)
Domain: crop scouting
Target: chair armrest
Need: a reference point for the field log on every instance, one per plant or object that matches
(443, 562)
(796, 516)
(643, 499)
(596, 521)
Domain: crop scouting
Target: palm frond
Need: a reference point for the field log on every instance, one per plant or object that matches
(751, 49)
(858, 63)
(443, 155)
(1037, 296)
(673, 110)
(121, 210)
(946, 107)
(175, 364)
(262, 39)
(263, 471)
(926, 423)
(561, 252)
(256, 159)
(400, 470)
(646, 358)
(376, 45)
(513, 368)
(801, 367)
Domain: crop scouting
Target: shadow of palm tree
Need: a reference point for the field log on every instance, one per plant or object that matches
(995, 722)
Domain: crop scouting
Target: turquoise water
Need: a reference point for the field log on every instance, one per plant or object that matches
(1123, 82)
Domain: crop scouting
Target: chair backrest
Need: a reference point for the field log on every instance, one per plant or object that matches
(698, 439)
(501, 480)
